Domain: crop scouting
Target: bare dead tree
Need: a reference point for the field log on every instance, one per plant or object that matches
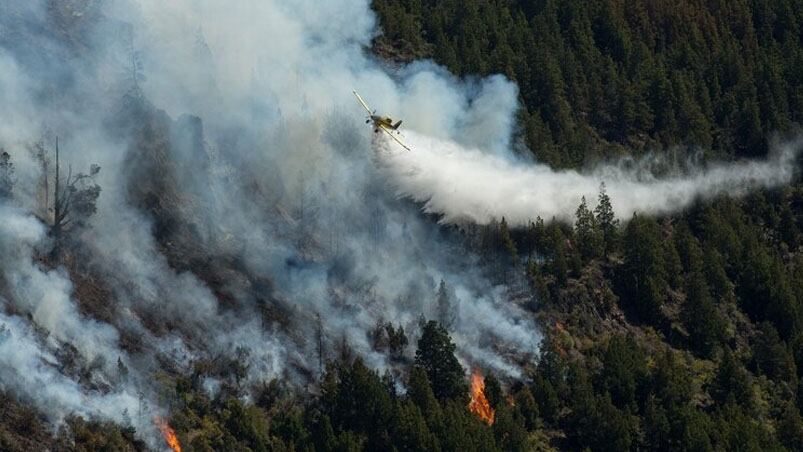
(134, 69)
(43, 190)
(319, 341)
(74, 200)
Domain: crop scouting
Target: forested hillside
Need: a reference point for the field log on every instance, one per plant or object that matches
(676, 332)
(608, 77)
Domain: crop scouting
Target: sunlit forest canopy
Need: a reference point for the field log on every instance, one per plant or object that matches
(605, 77)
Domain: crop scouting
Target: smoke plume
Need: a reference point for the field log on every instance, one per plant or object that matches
(241, 215)
(465, 184)
(244, 215)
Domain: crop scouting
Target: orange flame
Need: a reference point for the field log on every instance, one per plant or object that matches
(479, 404)
(168, 433)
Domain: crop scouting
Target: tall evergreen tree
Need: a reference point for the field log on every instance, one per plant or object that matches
(731, 384)
(587, 233)
(642, 281)
(607, 221)
(445, 306)
(435, 355)
(704, 323)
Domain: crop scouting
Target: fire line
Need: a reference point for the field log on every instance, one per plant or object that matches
(479, 403)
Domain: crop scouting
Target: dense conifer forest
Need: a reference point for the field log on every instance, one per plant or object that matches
(681, 332)
(600, 78)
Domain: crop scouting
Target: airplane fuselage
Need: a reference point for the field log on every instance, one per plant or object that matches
(385, 122)
(381, 123)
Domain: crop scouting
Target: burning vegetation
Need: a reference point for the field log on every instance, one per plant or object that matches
(168, 433)
(479, 403)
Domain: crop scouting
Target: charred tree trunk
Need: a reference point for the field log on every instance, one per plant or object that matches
(55, 228)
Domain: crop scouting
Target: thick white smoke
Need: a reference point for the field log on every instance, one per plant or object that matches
(466, 184)
(241, 207)
(31, 371)
(35, 361)
(282, 73)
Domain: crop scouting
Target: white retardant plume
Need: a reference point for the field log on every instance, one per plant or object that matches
(240, 206)
(464, 184)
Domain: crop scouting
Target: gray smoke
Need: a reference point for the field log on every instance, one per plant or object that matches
(42, 323)
(240, 210)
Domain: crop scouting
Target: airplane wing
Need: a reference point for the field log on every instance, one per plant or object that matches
(364, 105)
(392, 135)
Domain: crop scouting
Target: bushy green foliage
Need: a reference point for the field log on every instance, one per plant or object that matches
(642, 277)
(700, 344)
(717, 266)
(356, 409)
(597, 75)
(435, 355)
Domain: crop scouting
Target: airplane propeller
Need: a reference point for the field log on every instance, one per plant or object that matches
(381, 124)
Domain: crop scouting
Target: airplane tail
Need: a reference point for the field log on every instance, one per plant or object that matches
(396, 126)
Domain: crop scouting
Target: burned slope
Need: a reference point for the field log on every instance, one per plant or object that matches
(162, 153)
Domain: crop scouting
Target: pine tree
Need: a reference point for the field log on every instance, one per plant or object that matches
(559, 264)
(714, 267)
(587, 233)
(445, 306)
(771, 356)
(642, 281)
(624, 371)
(397, 341)
(420, 392)
(704, 323)
(730, 382)
(493, 390)
(607, 221)
(538, 235)
(672, 266)
(538, 281)
(435, 355)
(790, 428)
(528, 408)
(508, 243)
(410, 430)
(361, 403)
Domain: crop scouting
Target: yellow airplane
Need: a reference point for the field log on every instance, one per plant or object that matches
(382, 123)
